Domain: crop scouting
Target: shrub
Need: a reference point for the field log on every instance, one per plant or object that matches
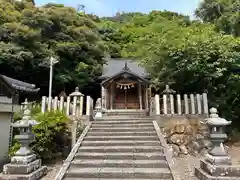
(50, 134)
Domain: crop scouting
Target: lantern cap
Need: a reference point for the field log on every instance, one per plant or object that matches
(215, 120)
(76, 92)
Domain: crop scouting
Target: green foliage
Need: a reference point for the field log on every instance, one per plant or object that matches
(51, 134)
(189, 53)
(29, 35)
(225, 14)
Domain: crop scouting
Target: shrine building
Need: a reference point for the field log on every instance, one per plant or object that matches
(125, 85)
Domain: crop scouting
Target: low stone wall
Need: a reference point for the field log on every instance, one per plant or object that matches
(185, 134)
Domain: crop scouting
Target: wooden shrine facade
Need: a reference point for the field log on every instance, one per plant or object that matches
(125, 90)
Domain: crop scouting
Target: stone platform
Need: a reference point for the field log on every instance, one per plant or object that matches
(208, 171)
(23, 168)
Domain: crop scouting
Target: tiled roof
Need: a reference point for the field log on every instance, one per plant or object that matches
(114, 66)
(19, 85)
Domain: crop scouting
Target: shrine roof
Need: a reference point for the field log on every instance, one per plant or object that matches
(115, 65)
(19, 86)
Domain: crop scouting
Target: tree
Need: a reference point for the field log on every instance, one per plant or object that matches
(29, 35)
(225, 14)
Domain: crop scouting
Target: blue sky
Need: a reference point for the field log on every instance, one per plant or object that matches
(110, 7)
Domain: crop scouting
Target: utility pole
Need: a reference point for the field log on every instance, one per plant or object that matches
(51, 63)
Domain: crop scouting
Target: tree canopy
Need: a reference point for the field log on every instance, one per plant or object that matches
(29, 35)
(197, 55)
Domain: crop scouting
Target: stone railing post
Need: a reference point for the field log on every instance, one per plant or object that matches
(192, 104)
(199, 104)
(68, 106)
(61, 104)
(179, 104)
(157, 104)
(43, 104)
(186, 105)
(24, 164)
(205, 103)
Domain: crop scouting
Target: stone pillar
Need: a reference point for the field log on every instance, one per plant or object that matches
(146, 98)
(179, 104)
(172, 103)
(157, 103)
(43, 105)
(24, 164)
(61, 105)
(205, 103)
(68, 106)
(103, 96)
(55, 104)
(165, 110)
(199, 104)
(186, 106)
(192, 104)
(140, 95)
(111, 98)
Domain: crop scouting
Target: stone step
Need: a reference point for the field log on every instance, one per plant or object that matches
(118, 156)
(106, 149)
(150, 124)
(106, 138)
(121, 143)
(122, 118)
(114, 121)
(125, 133)
(120, 163)
(119, 129)
(161, 173)
(69, 178)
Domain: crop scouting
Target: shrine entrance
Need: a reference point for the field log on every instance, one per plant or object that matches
(125, 90)
(126, 96)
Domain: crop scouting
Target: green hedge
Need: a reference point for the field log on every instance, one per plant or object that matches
(51, 134)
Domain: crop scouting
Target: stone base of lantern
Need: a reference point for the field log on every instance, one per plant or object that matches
(226, 160)
(208, 171)
(23, 168)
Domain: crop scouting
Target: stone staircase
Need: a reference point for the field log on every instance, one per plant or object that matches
(117, 148)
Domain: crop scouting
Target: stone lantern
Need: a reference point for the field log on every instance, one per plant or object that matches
(24, 164)
(217, 155)
(98, 107)
(77, 102)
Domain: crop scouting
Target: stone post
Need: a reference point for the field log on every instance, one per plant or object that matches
(205, 103)
(192, 104)
(199, 104)
(55, 103)
(172, 104)
(165, 106)
(157, 103)
(186, 104)
(61, 105)
(179, 104)
(24, 164)
(43, 108)
(68, 106)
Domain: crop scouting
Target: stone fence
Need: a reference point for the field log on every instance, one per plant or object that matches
(73, 105)
(175, 104)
